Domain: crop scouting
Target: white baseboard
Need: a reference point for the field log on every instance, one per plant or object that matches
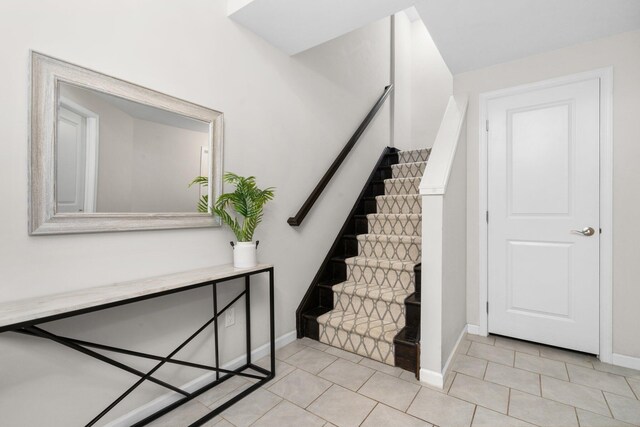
(473, 329)
(625, 361)
(436, 379)
(433, 378)
(167, 399)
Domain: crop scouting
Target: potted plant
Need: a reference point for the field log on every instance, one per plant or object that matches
(247, 201)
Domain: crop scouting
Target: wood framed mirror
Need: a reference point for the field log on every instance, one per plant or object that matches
(109, 155)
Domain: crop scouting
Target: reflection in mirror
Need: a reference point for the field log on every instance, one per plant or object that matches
(115, 155)
(110, 155)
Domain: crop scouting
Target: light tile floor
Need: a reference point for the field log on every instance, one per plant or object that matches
(494, 382)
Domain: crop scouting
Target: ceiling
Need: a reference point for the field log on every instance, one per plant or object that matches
(297, 25)
(472, 34)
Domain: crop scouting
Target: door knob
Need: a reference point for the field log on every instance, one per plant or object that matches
(587, 231)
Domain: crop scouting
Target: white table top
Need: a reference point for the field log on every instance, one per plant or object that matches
(30, 309)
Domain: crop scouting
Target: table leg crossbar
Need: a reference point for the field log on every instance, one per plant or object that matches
(85, 347)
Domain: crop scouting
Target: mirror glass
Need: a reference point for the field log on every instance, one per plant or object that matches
(114, 155)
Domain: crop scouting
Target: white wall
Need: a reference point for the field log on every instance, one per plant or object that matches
(431, 87)
(285, 120)
(402, 83)
(423, 85)
(623, 53)
(165, 160)
(454, 260)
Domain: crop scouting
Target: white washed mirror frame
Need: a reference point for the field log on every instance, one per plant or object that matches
(46, 72)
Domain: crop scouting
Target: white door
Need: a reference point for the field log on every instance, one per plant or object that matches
(70, 161)
(543, 194)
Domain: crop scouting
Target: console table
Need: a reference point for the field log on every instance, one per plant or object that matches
(24, 316)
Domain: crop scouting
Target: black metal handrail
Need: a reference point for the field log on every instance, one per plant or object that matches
(296, 220)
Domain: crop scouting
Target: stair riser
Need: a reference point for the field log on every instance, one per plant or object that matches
(404, 186)
(408, 170)
(381, 276)
(403, 251)
(414, 156)
(383, 310)
(395, 226)
(364, 346)
(399, 205)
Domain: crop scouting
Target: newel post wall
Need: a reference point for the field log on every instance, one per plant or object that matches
(444, 237)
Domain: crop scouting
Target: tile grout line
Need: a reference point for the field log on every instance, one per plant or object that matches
(584, 385)
(365, 382)
(637, 395)
(486, 368)
(540, 383)
(606, 401)
(455, 375)
(263, 415)
(411, 403)
(314, 400)
(475, 408)
(374, 407)
(530, 394)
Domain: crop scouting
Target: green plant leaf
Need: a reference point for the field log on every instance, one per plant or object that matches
(247, 202)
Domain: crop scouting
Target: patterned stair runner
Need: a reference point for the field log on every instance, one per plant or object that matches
(369, 308)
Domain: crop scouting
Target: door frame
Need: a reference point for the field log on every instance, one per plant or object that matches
(92, 136)
(606, 197)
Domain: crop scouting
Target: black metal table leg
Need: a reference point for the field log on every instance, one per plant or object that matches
(247, 297)
(214, 286)
(272, 323)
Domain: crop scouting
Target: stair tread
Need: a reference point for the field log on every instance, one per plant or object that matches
(408, 336)
(360, 324)
(415, 150)
(402, 179)
(373, 291)
(391, 264)
(408, 164)
(392, 215)
(392, 238)
(414, 155)
(315, 312)
(397, 196)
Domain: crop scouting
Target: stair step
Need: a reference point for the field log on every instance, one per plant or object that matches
(402, 186)
(399, 204)
(372, 338)
(381, 272)
(408, 170)
(398, 224)
(411, 156)
(373, 291)
(407, 349)
(378, 302)
(314, 313)
(403, 248)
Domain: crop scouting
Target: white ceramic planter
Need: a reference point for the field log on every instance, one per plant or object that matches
(244, 255)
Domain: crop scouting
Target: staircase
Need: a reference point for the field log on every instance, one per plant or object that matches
(365, 298)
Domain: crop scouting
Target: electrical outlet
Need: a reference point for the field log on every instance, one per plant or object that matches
(229, 317)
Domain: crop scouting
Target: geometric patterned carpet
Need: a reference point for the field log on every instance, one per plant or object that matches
(369, 308)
